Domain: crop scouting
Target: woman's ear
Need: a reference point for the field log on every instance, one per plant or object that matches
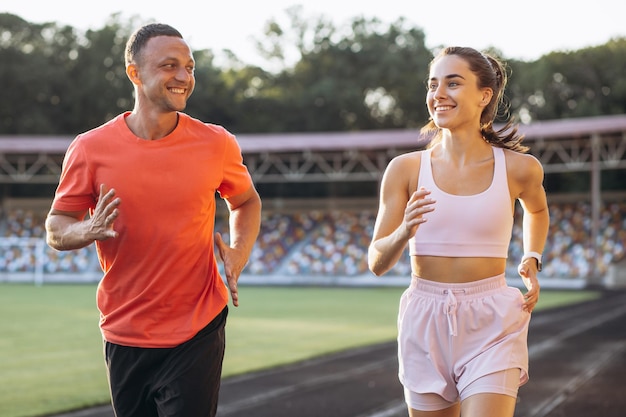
(487, 96)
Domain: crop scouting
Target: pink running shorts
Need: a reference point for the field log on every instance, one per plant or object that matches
(452, 336)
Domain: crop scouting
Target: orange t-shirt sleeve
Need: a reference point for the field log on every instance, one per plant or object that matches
(75, 190)
(236, 177)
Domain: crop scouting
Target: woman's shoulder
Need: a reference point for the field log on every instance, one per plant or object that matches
(408, 158)
(405, 163)
(403, 170)
(522, 165)
(519, 158)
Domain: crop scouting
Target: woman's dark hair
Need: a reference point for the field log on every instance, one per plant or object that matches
(491, 73)
(141, 36)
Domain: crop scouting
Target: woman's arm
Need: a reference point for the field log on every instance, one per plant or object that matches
(400, 213)
(528, 178)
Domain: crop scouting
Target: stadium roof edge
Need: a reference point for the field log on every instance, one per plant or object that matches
(320, 141)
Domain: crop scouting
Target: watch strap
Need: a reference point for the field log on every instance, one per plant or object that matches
(535, 255)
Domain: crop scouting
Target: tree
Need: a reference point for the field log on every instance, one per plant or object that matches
(367, 77)
(321, 77)
(58, 81)
(100, 87)
(583, 83)
(232, 97)
(35, 58)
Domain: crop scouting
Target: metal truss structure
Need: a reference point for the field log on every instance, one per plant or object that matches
(589, 144)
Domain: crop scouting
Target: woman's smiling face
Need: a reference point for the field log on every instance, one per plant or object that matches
(453, 98)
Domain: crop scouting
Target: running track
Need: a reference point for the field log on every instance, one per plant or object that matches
(577, 368)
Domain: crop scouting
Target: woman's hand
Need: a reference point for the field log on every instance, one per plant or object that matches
(528, 271)
(418, 205)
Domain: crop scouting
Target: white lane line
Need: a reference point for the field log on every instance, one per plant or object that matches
(309, 383)
(603, 360)
(394, 409)
(575, 329)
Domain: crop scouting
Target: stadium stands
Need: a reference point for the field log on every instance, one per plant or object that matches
(326, 238)
(333, 242)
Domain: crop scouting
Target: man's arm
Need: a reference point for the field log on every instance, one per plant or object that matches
(244, 225)
(67, 230)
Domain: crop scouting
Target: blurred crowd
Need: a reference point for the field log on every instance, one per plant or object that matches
(334, 242)
(23, 248)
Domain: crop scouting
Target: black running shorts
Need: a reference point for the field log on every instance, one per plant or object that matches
(159, 382)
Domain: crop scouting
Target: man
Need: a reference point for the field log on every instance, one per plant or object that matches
(148, 179)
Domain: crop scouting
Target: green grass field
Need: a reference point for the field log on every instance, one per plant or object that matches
(51, 351)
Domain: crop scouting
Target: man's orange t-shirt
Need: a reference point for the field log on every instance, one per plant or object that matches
(161, 283)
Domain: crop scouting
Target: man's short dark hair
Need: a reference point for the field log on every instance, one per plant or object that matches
(141, 36)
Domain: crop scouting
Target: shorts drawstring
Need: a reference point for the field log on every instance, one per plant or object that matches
(451, 306)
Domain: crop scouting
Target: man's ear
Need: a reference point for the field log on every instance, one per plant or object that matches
(133, 74)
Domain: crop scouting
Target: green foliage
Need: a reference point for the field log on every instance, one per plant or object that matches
(366, 75)
(56, 80)
(583, 83)
(363, 80)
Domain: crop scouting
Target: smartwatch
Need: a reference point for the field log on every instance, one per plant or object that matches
(535, 255)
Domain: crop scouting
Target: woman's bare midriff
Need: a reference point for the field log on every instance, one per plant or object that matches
(456, 270)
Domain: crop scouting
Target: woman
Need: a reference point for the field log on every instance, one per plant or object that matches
(462, 332)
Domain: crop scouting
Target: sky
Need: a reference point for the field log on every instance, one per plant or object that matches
(523, 30)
